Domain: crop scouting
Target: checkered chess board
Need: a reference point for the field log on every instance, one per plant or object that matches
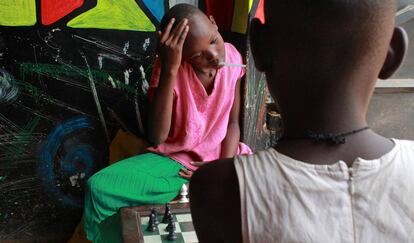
(184, 230)
(135, 222)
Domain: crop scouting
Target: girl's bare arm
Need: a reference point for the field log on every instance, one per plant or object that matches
(170, 45)
(231, 141)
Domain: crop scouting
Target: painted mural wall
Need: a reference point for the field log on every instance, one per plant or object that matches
(72, 74)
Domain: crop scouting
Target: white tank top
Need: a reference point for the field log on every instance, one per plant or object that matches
(285, 200)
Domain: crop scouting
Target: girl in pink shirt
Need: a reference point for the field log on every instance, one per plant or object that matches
(193, 119)
(203, 122)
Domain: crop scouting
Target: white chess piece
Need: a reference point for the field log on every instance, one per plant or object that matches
(183, 194)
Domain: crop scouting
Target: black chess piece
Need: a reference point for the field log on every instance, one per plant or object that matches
(170, 217)
(151, 224)
(171, 236)
(167, 213)
(156, 220)
(171, 225)
(171, 231)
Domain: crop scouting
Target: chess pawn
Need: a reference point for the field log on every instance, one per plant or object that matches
(171, 226)
(155, 213)
(171, 236)
(151, 224)
(183, 194)
(167, 213)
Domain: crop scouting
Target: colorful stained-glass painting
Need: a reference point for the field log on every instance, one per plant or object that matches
(17, 12)
(156, 7)
(53, 10)
(114, 14)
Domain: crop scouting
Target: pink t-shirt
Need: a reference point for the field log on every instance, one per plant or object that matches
(199, 121)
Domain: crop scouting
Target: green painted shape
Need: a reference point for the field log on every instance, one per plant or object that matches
(57, 71)
(114, 14)
(22, 139)
(17, 12)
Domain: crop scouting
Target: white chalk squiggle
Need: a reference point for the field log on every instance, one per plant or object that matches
(126, 47)
(145, 85)
(8, 90)
(146, 44)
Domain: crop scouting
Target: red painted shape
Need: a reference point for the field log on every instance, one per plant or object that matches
(260, 11)
(53, 10)
(222, 11)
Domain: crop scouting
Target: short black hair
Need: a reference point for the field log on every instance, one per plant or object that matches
(330, 34)
(179, 12)
(310, 15)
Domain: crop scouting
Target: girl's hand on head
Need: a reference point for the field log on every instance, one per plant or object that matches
(170, 44)
(187, 174)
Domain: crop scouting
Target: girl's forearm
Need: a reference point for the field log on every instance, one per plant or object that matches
(231, 142)
(159, 118)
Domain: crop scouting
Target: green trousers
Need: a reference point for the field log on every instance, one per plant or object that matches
(139, 180)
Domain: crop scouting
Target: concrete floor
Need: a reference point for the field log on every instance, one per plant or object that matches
(407, 69)
(391, 111)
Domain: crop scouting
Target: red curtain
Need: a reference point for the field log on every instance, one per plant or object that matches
(222, 11)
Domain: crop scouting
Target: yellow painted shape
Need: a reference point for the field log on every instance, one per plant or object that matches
(17, 12)
(79, 236)
(126, 145)
(241, 15)
(114, 14)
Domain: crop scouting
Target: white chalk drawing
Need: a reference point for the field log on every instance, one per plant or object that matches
(112, 82)
(126, 75)
(146, 44)
(100, 61)
(145, 85)
(95, 97)
(126, 47)
(8, 90)
(75, 179)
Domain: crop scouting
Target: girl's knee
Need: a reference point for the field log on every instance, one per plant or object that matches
(93, 183)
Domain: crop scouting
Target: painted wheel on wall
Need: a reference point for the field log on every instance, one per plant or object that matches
(72, 152)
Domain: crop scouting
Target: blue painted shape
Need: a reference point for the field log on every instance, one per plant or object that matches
(156, 7)
(77, 159)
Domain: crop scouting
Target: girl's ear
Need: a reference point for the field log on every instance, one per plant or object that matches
(396, 53)
(213, 21)
(258, 47)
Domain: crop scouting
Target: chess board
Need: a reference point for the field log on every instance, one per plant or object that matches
(135, 221)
